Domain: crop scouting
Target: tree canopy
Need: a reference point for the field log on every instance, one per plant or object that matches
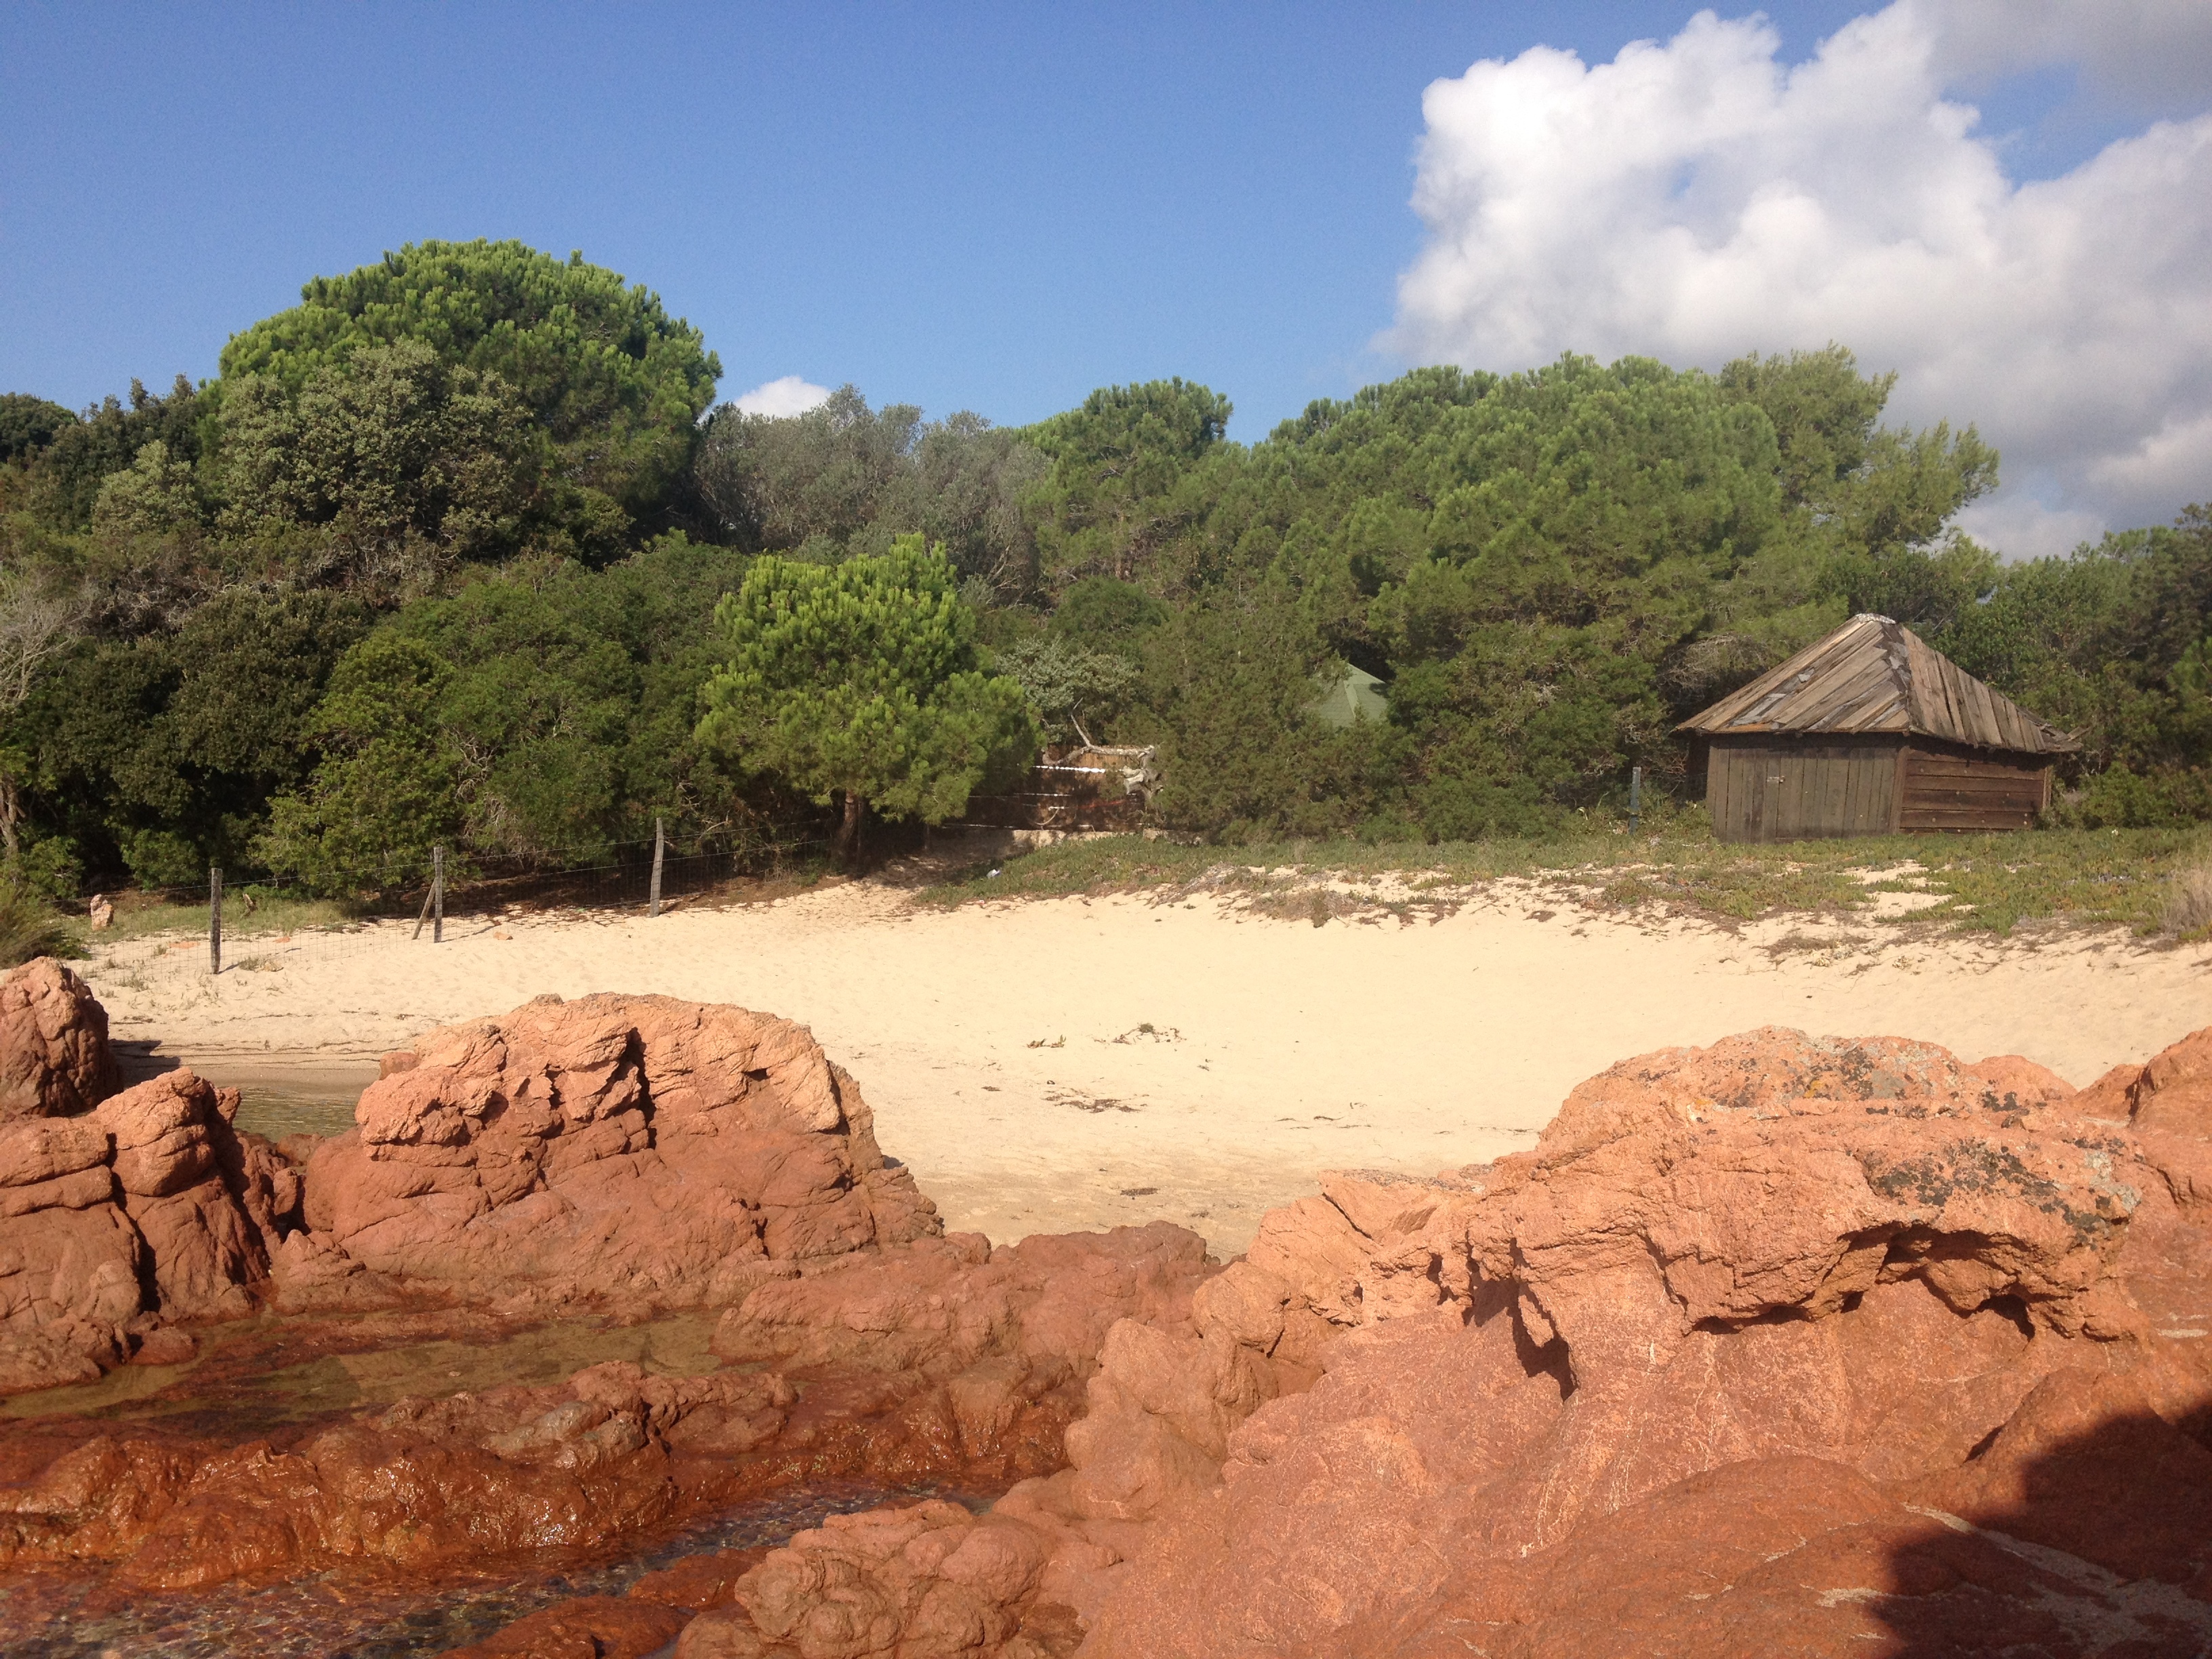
(858, 681)
(615, 381)
(448, 556)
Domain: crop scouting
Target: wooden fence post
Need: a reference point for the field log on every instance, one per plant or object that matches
(660, 846)
(437, 895)
(214, 919)
(1635, 799)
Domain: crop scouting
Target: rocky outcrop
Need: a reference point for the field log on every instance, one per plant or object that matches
(70, 1261)
(660, 1152)
(54, 1058)
(436, 1483)
(1788, 1343)
(614, 1157)
(418, 1485)
(121, 1210)
(1784, 1345)
(942, 1306)
(149, 1209)
(623, 1154)
(932, 1579)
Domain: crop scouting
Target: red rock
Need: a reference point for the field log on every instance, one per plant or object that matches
(1784, 1555)
(587, 1627)
(1738, 1311)
(928, 1582)
(2167, 1102)
(173, 1139)
(667, 1153)
(164, 1344)
(699, 1582)
(939, 1306)
(71, 1260)
(1780, 1345)
(2087, 1465)
(54, 1058)
(149, 1207)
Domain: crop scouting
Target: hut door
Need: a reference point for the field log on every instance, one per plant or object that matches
(1769, 824)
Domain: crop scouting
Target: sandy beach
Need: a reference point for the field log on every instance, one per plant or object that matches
(1049, 1065)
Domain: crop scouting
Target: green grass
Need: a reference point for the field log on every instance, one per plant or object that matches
(29, 927)
(1980, 883)
(136, 917)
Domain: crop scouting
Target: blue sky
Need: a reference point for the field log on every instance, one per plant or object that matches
(963, 206)
(994, 208)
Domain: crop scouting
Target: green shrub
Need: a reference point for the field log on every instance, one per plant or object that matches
(2121, 799)
(162, 858)
(2187, 908)
(29, 926)
(51, 869)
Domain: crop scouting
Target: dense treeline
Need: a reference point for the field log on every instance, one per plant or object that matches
(443, 554)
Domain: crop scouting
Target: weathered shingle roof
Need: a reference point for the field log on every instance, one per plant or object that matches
(1876, 675)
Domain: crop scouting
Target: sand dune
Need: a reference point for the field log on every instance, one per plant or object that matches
(1004, 1047)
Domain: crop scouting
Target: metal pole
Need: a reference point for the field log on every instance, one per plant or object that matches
(437, 895)
(1635, 799)
(660, 846)
(214, 919)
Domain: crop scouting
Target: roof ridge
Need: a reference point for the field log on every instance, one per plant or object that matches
(1867, 677)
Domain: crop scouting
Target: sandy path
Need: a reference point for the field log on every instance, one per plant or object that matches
(1280, 1048)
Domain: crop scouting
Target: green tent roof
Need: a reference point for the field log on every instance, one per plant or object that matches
(1352, 697)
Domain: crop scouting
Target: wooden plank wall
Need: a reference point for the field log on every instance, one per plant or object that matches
(1948, 787)
(1770, 790)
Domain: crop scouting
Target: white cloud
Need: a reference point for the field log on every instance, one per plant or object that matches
(1697, 200)
(2130, 53)
(788, 396)
(2025, 528)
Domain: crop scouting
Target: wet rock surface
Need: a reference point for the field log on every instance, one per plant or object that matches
(590, 1274)
(609, 1326)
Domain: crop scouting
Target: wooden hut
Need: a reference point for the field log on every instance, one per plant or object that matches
(1075, 786)
(1869, 732)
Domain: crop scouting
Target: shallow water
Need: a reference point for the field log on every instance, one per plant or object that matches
(277, 1112)
(335, 1616)
(242, 1381)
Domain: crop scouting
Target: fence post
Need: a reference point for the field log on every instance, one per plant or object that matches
(1635, 801)
(660, 846)
(214, 919)
(437, 895)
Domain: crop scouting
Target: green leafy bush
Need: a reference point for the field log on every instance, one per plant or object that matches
(29, 925)
(2121, 799)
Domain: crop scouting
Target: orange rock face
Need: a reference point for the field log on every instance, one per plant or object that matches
(667, 1153)
(1786, 1345)
(149, 1208)
(615, 1156)
(54, 1059)
(1781, 1346)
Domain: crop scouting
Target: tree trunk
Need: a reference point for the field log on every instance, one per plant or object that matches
(11, 809)
(848, 844)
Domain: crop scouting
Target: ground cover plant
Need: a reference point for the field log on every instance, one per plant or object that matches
(2150, 881)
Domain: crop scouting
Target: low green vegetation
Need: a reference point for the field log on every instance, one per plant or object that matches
(247, 914)
(459, 552)
(2150, 881)
(29, 927)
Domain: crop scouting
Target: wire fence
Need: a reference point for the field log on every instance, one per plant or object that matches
(247, 920)
(158, 939)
